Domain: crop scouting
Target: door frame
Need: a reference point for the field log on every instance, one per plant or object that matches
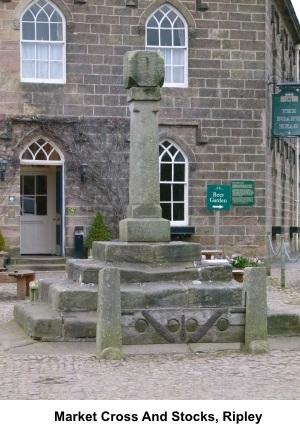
(47, 154)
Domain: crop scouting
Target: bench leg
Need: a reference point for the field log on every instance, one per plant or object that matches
(21, 288)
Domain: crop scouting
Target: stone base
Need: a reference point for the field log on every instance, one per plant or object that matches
(165, 279)
(144, 230)
(151, 254)
(68, 312)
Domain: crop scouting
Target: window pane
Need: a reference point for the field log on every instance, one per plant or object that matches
(168, 75)
(28, 205)
(166, 172)
(28, 69)
(179, 37)
(42, 52)
(35, 9)
(178, 57)
(42, 31)
(178, 212)
(178, 75)
(152, 37)
(166, 210)
(40, 155)
(178, 23)
(28, 185)
(165, 23)
(165, 192)
(28, 16)
(179, 157)
(173, 150)
(178, 192)
(56, 52)
(28, 51)
(167, 55)
(42, 17)
(41, 205)
(56, 32)
(152, 22)
(166, 37)
(172, 15)
(165, 9)
(158, 15)
(166, 157)
(28, 31)
(56, 70)
(179, 172)
(27, 155)
(41, 184)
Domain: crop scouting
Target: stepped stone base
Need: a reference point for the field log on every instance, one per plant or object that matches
(67, 311)
(166, 280)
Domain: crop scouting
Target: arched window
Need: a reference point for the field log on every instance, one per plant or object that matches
(166, 31)
(41, 151)
(43, 44)
(173, 184)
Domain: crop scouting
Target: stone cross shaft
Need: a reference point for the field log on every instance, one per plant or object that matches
(143, 76)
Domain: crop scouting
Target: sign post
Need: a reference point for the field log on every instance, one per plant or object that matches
(218, 199)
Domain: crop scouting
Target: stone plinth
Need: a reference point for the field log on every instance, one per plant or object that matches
(146, 253)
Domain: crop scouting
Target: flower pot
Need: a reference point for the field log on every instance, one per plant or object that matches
(238, 275)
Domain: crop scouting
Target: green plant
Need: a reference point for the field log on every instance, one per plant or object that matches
(98, 231)
(240, 262)
(2, 242)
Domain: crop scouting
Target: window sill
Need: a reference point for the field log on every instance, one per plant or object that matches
(182, 231)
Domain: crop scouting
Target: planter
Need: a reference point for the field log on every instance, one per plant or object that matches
(238, 275)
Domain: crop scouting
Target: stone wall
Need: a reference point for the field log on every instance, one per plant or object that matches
(221, 121)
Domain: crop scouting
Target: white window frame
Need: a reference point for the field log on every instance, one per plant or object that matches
(184, 221)
(61, 80)
(160, 47)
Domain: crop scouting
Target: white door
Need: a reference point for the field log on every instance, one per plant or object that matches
(37, 210)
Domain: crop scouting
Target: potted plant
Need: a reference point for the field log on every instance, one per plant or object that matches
(239, 262)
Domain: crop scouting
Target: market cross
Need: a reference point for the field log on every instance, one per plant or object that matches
(218, 197)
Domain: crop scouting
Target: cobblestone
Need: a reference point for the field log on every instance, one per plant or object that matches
(196, 374)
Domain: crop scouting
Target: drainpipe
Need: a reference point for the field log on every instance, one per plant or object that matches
(297, 49)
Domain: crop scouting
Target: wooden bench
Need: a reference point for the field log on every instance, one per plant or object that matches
(208, 253)
(23, 278)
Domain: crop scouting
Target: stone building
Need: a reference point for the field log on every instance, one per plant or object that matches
(63, 105)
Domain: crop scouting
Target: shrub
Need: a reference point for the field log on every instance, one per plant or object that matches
(2, 242)
(98, 231)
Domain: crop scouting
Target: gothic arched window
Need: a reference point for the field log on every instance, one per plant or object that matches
(43, 44)
(173, 184)
(166, 31)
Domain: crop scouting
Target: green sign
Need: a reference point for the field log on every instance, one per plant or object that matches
(286, 113)
(218, 197)
(11, 200)
(242, 193)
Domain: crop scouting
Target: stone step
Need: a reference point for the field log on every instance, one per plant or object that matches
(181, 325)
(87, 271)
(38, 263)
(65, 295)
(43, 323)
